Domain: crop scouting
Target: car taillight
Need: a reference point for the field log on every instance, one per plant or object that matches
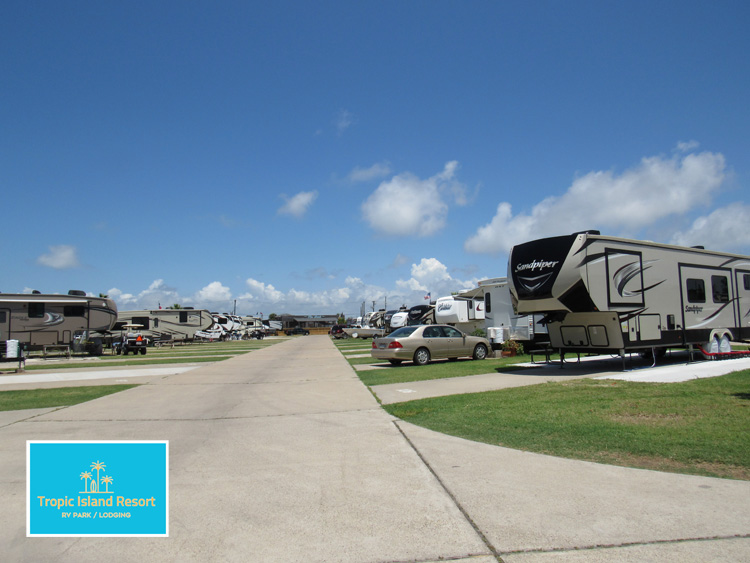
(374, 345)
(395, 344)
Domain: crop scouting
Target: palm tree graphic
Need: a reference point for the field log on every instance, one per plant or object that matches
(98, 465)
(86, 475)
(107, 480)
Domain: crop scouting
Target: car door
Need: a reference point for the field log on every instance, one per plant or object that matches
(433, 339)
(454, 342)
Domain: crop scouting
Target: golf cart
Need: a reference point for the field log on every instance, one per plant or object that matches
(130, 341)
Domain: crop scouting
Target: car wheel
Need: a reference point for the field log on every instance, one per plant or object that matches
(396, 362)
(143, 351)
(480, 352)
(422, 357)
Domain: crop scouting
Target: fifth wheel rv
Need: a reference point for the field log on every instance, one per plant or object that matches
(167, 324)
(37, 320)
(614, 295)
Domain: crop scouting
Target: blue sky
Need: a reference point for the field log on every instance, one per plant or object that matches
(299, 157)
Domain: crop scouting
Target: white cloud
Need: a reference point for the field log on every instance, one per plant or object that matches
(215, 292)
(723, 229)
(655, 188)
(687, 146)
(60, 257)
(344, 120)
(261, 292)
(298, 205)
(377, 170)
(432, 276)
(427, 275)
(409, 206)
(122, 299)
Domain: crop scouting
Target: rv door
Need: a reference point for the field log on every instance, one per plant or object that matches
(4, 324)
(742, 282)
(706, 297)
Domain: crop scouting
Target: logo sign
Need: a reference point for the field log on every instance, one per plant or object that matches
(97, 488)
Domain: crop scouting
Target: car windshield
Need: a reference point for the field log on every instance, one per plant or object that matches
(402, 332)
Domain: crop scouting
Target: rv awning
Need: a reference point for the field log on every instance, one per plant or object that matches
(65, 301)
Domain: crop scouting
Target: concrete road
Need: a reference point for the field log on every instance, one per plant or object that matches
(283, 455)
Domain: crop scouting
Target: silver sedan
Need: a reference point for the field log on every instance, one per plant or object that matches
(425, 342)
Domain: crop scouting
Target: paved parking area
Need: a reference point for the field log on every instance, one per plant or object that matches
(284, 455)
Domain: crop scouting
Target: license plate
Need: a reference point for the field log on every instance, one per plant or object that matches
(381, 346)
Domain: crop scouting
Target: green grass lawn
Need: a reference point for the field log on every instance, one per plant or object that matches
(57, 397)
(698, 426)
(439, 369)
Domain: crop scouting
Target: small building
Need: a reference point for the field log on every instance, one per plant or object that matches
(316, 324)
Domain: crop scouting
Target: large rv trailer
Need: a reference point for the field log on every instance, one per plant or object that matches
(37, 320)
(463, 312)
(502, 323)
(616, 295)
(421, 315)
(166, 324)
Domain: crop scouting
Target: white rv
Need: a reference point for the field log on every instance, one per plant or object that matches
(399, 319)
(222, 328)
(464, 311)
(605, 294)
(252, 327)
(167, 324)
(37, 320)
(372, 326)
(502, 323)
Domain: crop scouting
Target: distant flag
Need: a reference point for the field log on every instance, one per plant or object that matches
(428, 295)
(159, 305)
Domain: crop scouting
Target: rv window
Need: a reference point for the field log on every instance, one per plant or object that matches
(74, 311)
(720, 289)
(696, 291)
(747, 281)
(3, 318)
(156, 323)
(143, 321)
(183, 316)
(36, 310)
(488, 302)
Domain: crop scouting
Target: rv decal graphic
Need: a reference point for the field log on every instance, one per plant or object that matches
(710, 317)
(627, 315)
(627, 273)
(532, 284)
(52, 319)
(591, 258)
(536, 265)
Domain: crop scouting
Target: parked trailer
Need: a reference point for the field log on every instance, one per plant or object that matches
(166, 324)
(41, 321)
(421, 315)
(502, 323)
(465, 313)
(614, 295)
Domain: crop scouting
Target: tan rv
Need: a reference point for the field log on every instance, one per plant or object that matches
(37, 320)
